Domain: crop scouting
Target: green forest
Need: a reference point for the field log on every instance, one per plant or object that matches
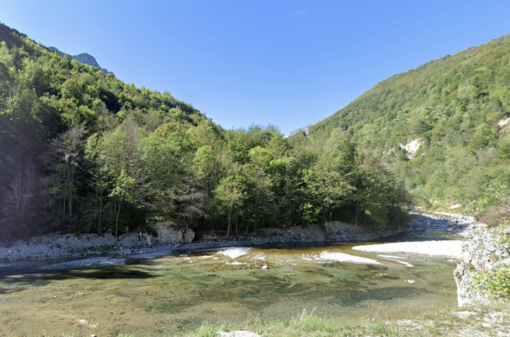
(456, 107)
(81, 151)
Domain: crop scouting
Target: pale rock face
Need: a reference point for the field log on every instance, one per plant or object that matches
(170, 232)
(188, 236)
(504, 122)
(306, 129)
(412, 147)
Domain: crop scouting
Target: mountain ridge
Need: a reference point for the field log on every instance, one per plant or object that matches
(84, 58)
(306, 129)
(453, 104)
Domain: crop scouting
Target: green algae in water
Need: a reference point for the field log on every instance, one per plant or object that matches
(179, 293)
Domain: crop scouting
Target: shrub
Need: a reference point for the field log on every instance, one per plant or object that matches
(496, 283)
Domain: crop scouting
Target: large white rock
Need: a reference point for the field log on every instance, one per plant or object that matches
(170, 232)
(505, 121)
(412, 147)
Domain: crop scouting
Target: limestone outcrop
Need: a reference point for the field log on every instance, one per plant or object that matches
(171, 232)
(306, 129)
(482, 251)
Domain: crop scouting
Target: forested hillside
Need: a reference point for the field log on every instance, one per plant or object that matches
(81, 151)
(453, 110)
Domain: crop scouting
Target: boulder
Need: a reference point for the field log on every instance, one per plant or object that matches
(171, 232)
(188, 235)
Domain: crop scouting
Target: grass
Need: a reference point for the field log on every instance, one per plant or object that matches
(440, 323)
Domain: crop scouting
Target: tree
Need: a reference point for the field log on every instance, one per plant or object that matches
(329, 181)
(19, 204)
(100, 177)
(229, 193)
(373, 190)
(191, 197)
(65, 162)
(123, 191)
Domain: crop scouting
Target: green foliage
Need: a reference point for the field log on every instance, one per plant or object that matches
(453, 105)
(496, 283)
(116, 155)
(494, 193)
(309, 214)
(206, 331)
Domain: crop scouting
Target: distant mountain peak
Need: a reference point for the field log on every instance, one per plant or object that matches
(83, 58)
(306, 129)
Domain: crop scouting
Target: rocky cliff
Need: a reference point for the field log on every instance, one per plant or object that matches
(306, 129)
(483, 251)
(83, 58)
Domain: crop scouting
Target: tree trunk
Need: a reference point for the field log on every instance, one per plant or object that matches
(117, 221)
(228, 227)
(64, 209)
(99, 222)
(358, 214)
(70, 204)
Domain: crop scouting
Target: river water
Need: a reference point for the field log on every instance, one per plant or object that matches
(175, 294)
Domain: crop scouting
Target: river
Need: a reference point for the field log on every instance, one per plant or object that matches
(176, 293)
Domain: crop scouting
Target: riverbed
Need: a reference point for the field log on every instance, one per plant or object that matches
(177, 292)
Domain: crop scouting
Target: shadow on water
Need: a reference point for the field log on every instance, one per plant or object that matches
(18, 278)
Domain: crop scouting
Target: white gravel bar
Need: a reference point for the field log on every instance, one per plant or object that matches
(342, 257)
(449, 249)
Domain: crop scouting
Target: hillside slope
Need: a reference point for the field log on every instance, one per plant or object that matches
(81, 151)
(441, 127)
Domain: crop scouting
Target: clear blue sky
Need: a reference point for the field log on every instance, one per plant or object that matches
(288, 63)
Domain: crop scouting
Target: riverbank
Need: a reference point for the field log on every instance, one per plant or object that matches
(176, 294)
(104, 250)
(483, 321)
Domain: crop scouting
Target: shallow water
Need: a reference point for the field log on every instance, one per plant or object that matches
(177, 293)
